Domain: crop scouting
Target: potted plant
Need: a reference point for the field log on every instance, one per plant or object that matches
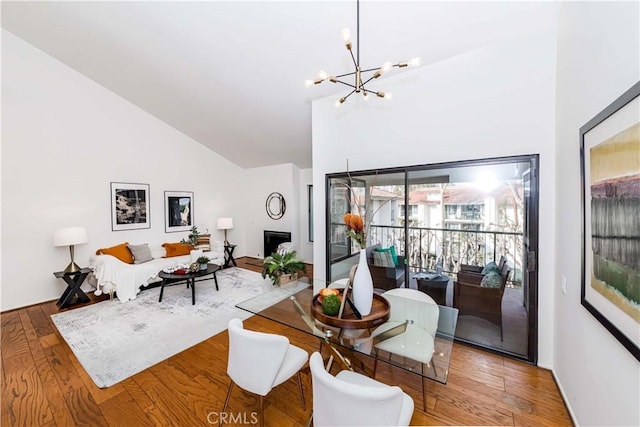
(282, 268)
(203, 261)
(192, 239)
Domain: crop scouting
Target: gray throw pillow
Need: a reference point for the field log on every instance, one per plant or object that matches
(141, 253)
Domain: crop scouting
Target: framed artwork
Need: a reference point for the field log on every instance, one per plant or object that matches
(610, 171)
(178, 211)
(129, 206)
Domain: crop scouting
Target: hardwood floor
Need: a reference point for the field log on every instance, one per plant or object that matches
(44, 385)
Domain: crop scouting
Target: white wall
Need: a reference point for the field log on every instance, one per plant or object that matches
(598, 60)
(494, 101)
(64, 139)
(257, 185)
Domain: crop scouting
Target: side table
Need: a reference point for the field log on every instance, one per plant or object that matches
(73, 294)
(228, 256)
(435, 287)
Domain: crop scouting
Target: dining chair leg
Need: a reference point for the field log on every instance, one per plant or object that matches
(261, 411)
(308, 424)
(226, 401)
(304, 406)
(424, 389)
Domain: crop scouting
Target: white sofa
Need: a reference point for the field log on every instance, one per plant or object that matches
(112, 275)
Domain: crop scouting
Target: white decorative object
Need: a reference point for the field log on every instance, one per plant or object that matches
(363, 286)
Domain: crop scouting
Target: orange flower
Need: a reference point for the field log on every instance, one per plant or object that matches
(355, 228)
(356, 223)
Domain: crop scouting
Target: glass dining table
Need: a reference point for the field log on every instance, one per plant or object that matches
(296, 307)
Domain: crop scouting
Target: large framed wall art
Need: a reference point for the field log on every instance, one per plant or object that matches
(610, 170)
(178, 211)
(129, 206)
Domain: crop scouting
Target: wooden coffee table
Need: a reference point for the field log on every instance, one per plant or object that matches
(190, 278)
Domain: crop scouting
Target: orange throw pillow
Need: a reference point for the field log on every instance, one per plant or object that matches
(120, 251)
(176, 249)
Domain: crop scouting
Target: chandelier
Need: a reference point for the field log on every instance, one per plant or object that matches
(360, 81)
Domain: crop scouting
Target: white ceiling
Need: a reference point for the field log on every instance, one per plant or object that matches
(230, 74)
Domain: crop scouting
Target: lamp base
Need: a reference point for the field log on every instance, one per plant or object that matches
(72, 268)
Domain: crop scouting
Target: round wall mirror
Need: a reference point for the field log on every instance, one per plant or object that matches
(275, 206)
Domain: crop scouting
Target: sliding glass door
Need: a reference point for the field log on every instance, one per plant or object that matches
(450, 224)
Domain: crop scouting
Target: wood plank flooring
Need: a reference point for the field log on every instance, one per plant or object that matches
(44, 385)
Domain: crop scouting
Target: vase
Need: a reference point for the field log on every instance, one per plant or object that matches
(363, 285)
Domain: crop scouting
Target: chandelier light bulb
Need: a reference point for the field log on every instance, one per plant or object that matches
(323, 75)
(340, 101)
(413, 62)
(383, 69)
(346, 37)
(387, 95)
(308, 83)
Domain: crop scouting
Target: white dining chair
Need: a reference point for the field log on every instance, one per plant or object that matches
(421, 313)
(259, 361)
(352, 399)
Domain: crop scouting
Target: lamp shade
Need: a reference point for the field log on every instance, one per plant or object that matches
(70, 236)
(225, 223)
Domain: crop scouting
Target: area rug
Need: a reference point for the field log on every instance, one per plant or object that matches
(114, 340)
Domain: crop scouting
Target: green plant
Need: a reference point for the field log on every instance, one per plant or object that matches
(203, 260)
(192, 239)
(277, 264)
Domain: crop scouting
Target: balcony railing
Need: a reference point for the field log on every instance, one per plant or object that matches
(427, 246)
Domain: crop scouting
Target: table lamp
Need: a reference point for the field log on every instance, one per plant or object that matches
(225, 224)
(70, 236)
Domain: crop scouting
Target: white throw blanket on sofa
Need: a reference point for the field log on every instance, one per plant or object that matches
(111, 274)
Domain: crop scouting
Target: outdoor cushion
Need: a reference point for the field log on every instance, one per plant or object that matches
(491, 280)
(491, 267)
(383, 259)
(394, 255)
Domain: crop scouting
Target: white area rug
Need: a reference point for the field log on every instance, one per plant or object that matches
(114, 340)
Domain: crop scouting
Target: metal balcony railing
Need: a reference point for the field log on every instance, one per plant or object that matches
(454, 247)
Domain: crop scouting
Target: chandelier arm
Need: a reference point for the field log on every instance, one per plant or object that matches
(370, 70)
(353, 58)
(350, 93)
(344, 75)
(367, 81)
(346, 84)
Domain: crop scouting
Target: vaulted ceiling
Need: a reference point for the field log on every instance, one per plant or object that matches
(230, 74)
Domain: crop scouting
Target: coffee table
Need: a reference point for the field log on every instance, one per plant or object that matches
(190, 278)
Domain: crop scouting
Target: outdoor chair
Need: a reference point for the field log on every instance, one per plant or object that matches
(471, 298)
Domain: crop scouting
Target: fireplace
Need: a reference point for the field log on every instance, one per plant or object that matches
(272, 239)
